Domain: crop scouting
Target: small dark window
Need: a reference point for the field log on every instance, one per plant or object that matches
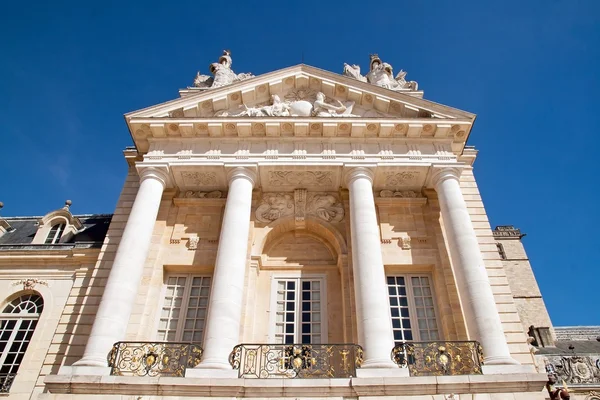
(501, 251)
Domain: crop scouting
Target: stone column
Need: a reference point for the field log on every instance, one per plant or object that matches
(225, 307)
(372, 305)
(476, 294)
(122, 285)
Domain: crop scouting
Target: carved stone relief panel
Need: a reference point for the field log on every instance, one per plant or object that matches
(325, 206)
(313, 179)
(574, 369)
(199, 178)
(389, 180)
(274, 206)
(305, 178)
(191, 194)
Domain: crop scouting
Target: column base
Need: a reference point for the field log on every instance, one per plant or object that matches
(384, 363)
(500, 360)
(382, 372)
(91, 361)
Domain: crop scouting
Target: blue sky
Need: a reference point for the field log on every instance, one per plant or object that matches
(528, 69)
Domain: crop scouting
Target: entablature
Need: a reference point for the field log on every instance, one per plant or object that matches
(286, 176)
(300, 101)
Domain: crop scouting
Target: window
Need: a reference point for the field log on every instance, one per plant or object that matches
(412, 309)
(55, 234)
(501, 251)
(17, 324)
(299, 315)
(184, 309)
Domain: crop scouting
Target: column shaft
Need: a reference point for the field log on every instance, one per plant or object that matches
(225, 307)
(476, 294)
(372, 305)
(122, 285)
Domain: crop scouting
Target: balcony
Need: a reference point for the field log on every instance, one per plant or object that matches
(296, 360)
(6, 381)
(439, 358)
(153, 359)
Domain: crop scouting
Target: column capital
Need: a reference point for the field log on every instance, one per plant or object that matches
(442, 172)
(159, 173)
(353, 173)
(248, 173)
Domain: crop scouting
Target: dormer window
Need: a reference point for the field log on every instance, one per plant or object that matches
(55, 234)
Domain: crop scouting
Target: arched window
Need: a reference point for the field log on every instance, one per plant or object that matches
(55, 233)
(17, 323)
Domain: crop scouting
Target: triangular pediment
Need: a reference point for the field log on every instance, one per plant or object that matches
(298, 101)
(300, 83)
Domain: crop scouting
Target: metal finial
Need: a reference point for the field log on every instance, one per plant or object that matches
(1, 204)
(67, 204)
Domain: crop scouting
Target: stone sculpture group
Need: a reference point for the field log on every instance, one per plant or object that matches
(380, 74)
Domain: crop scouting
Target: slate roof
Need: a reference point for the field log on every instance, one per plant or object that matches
(94, 229)
(579, 347)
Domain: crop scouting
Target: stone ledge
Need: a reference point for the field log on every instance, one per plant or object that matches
(349, 387)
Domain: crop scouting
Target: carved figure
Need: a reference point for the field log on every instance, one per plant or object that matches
(277, 109)
(412, 85)
(323, 109)
(353, 71)
(223, 74)
(381, 74)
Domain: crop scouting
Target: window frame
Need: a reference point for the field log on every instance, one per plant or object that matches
(412, 308)
(19, 318)
(179, 330)
(273, 304)
(62, 226)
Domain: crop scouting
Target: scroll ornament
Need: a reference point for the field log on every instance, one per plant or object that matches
(278, 205)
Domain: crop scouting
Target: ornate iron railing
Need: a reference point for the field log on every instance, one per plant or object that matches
(6, 381)
(296, 360)
(439, 358)
(153, 359)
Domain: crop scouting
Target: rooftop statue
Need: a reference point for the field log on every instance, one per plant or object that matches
(381, 74)
(223, 74)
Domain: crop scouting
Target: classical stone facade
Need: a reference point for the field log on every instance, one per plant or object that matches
(296, 234)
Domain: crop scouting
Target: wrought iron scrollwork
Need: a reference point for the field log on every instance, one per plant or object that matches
(296, 360)
(439, 358)
(6, 381)
(153, 359)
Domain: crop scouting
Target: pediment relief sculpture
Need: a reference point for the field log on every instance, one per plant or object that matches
(325, 206)
(321, 106)
(381, 74)
(223, 75)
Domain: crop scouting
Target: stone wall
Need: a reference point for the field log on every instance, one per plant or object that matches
(525, 290)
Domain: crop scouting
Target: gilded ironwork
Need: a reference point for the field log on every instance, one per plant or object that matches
(439, 358)
(153, 358)
(6, 381)
(296, 360)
